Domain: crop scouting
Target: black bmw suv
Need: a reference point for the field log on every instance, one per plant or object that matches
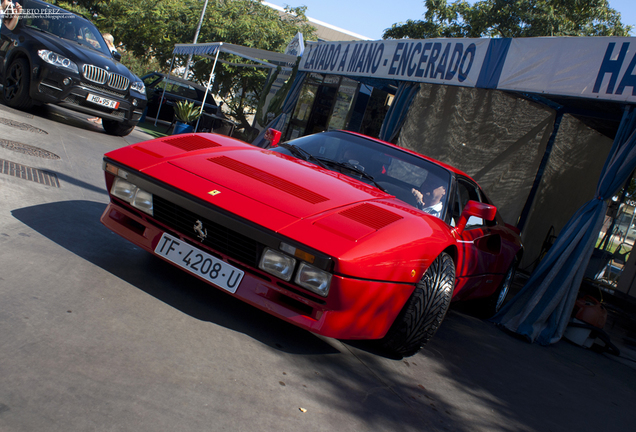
(55, 56)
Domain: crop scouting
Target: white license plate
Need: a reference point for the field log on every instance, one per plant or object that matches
(199, 263)
(102, 101)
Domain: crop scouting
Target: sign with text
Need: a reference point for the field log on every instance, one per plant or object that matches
(590, 67)
(441, 61)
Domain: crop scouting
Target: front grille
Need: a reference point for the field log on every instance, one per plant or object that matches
(219, 238)
(105, 90)
(75, 100)
(102, 76)
(95, 74)
(118, 82)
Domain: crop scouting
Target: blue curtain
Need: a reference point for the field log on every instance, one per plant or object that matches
(396, 115)
(288, 106)
(542, 309)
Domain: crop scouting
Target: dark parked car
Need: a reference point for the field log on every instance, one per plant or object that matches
(54, 56)
(176, 89)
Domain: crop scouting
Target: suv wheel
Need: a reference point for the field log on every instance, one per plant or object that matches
(16, 85)
(116, 128)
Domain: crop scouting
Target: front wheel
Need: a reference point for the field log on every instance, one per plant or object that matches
(424, 311)
(16, 85)
(116, 128)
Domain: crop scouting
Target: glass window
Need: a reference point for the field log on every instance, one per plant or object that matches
(465, 192)
(412, 179)
(151, 79)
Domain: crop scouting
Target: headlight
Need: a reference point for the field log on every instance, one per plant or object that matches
(138, 86)
(143, 201)
(133, 195)
(313, 279)
(278, 264)
(57, 60)
(123, 189)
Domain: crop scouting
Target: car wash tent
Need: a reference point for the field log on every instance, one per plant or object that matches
(262, 58)
(535, 121)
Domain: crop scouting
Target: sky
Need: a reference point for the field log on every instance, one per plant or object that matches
(370, 18)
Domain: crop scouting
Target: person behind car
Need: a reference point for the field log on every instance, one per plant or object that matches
(110, 43)
(429, 196)
(10, 14)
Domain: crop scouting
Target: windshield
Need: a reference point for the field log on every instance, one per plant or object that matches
(416, 181)
(72, 29)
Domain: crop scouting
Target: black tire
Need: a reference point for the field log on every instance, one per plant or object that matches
(491, 305)
(16, 85)
(424, 311)
(116, 128)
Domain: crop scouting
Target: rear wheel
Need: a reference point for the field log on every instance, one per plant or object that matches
(493, 303)
(116, 128)
(424, 311)
(16, 85)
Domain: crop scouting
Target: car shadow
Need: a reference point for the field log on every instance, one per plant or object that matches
(58, 115)
(75, 226)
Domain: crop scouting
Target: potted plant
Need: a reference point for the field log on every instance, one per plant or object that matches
(185, 113)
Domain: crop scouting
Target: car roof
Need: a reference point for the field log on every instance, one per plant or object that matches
(177, 79)
(435, 161)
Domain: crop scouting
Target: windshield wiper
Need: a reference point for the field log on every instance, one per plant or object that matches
(353, 168)
(301, 153)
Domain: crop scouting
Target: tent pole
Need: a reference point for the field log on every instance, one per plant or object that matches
(207, 88)
(165, 84)
(523, 218)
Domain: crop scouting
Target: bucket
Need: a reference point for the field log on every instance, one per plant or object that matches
(180, 128)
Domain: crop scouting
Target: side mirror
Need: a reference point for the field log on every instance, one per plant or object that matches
(116, 55)
(478, 210)
(273, 136)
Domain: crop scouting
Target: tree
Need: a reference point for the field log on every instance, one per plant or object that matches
(149, 29)
(512, 18)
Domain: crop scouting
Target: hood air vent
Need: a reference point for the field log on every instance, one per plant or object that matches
(371, 216)
(269, 179)
(191, 142)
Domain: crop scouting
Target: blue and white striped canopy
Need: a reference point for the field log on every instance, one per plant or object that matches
(210, 49)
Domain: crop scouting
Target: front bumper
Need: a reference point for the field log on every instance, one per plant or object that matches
(354, 308)
(51, 84)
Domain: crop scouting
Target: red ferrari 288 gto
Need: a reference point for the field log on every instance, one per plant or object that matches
(341, 234)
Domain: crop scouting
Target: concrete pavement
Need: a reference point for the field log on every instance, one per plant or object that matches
(97, 335)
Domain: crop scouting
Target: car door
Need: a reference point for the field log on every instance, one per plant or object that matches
(479, 244)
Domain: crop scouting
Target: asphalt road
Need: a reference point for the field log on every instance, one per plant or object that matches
(97, 335)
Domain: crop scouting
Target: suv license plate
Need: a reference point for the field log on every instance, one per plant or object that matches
(102, 101)
(199, 263)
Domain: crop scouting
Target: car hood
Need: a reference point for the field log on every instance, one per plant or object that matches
(79, 54)
(323, 209)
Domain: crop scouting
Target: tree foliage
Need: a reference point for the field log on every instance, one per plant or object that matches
(149, 29)
(512, 18)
